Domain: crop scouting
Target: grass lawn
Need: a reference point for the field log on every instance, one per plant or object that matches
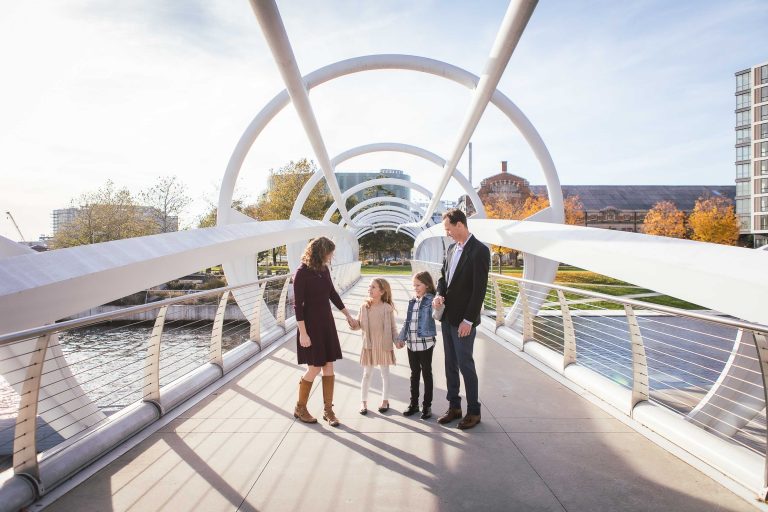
(574, 277)
(403, 270)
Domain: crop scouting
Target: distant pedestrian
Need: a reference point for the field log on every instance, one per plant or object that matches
(418, 333)
(317, 343)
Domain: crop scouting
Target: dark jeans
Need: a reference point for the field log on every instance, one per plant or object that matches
(421, 364)
(458, 357)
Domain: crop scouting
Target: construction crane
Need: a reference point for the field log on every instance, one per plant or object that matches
(16, 226)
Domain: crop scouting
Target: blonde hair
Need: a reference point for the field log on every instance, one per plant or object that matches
(426, 278)
(316, 253)
(386, 296)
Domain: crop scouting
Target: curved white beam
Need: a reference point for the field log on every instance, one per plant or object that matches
(394, 147)
(31, 286)
(379, 182)
(374, 219)
(409, 149)
(685, 269)
(400, 212)
(274, 31)
(512, 27)
(378, 62)
(359, 206)
(392, 227)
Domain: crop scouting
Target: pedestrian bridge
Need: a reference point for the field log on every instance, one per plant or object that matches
(591, 401)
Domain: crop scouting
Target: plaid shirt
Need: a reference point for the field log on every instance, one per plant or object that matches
(416, 344)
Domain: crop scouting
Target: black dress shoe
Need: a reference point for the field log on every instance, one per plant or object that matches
(426, 413)
(363, 411)
(384, 408)
(411, 410)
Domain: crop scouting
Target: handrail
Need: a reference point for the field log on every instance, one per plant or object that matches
(109, 315)
(684, 382)
(739, 324)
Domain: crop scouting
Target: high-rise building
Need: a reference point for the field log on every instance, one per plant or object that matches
(752, 152)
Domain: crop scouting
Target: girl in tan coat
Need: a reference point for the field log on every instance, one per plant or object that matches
(376, 319)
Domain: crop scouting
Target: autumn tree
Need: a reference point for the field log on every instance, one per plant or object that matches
(168, 196)
(208, 219)
(283, 187)
(503, 210)
(664, 219)
(104, 215)
(713, 220)
(385, 241)
(574, 210)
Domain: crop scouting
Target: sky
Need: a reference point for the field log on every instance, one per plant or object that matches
(635, 92)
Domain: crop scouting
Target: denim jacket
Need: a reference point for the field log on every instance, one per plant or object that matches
(426, 327)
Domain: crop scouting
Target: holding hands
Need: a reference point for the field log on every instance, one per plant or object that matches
(438, 301)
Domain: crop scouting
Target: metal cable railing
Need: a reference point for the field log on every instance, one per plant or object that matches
(704, 368)
(73, 375)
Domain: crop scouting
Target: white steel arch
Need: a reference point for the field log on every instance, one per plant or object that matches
(394, 147)
(374, 219)
(388, 61)
(379, 182)
(404, 212)
(399, 200)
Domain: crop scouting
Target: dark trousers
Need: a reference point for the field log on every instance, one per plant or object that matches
(421, 364)
(458, 358)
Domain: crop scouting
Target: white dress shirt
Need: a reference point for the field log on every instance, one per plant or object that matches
(455, 261)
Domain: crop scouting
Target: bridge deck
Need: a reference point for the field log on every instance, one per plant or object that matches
(540, 447)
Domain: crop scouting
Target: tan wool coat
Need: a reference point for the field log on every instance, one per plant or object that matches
(379, 330)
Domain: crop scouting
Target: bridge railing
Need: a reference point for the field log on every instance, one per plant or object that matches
(694, 377)
(85, 385)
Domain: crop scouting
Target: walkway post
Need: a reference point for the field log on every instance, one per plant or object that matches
(152, 362)
(640, 387)
(25, 443)
(569, 333)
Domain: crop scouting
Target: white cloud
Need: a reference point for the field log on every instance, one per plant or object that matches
(639, 93)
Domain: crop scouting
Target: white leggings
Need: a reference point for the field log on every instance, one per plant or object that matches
(366, 383)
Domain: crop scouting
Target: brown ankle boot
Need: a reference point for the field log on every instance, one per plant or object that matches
(328, 414)
(301, 411)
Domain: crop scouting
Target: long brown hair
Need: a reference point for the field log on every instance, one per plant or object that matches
(384, 286)
(316, 253)
(426, 278)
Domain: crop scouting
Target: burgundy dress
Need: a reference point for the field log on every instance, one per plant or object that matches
(312, 290)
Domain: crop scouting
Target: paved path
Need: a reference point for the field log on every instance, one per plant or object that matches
(540, 446)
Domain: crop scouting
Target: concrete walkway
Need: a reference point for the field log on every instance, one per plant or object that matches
(540, 446)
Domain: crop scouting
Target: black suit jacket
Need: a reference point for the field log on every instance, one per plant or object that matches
(465, 295)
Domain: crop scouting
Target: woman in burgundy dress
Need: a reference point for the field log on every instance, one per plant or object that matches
(317, 340)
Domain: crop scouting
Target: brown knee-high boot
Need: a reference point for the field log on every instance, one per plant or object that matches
(328, 414)
(301, 411)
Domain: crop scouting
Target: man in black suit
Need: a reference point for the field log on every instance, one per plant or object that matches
(461, 289)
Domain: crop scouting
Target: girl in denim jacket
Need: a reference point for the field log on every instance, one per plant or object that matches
(418, 333)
